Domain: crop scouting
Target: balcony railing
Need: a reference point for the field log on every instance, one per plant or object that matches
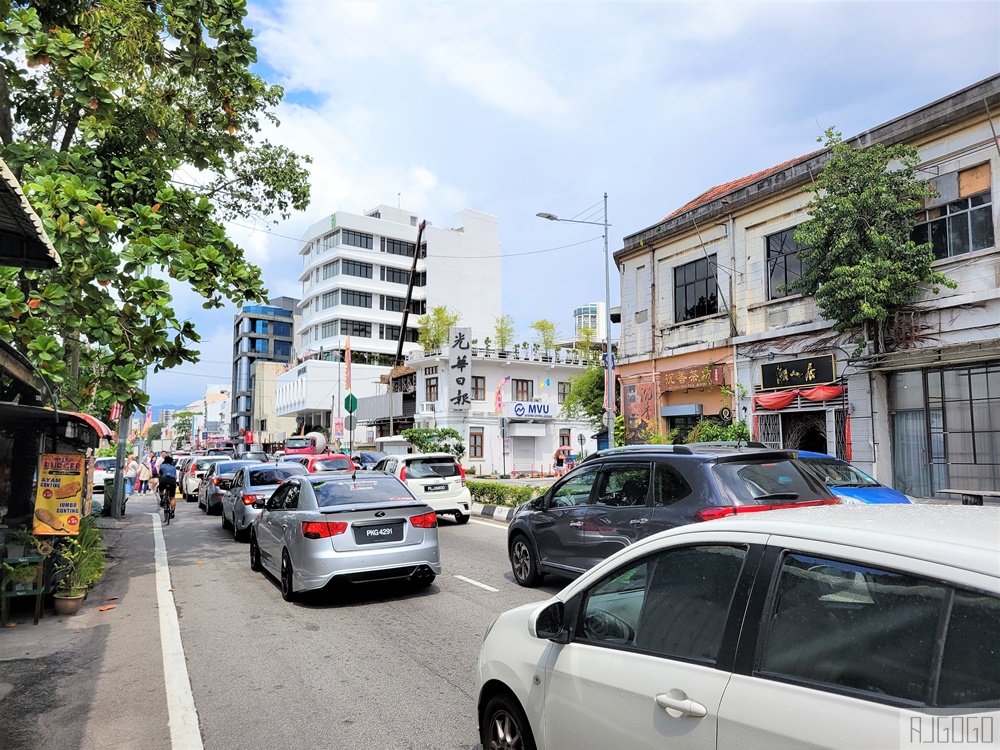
(519, 354)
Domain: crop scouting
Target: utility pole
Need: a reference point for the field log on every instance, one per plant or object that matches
(113, 505)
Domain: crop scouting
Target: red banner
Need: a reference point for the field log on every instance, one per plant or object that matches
(775, 401)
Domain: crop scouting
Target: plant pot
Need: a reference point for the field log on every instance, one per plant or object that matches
(67, 605)
(15, 550)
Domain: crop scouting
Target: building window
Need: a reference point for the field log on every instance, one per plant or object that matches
(331, 269)
(476, 442)
(330, 329)
(282, 349)
(563, 390)
(524, 390)
(357, 268)
(357, 239)
(695, 292)
(395, 275)
(959, 227)
(356, 328)
(478, 387)
(431, 389)
(431, 370)
(398, 247)
(564, 438)
(330, 299)
(783, 265)
(397, 304)
(281, 329)
(391, 333)
(356, 299)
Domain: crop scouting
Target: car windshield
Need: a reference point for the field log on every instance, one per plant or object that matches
(274, 474)
(332, 464)
(204, 463)
(755, 482)
(333, 492)
(372, 458)
(836, 473)
(297, 443)
(431, 468)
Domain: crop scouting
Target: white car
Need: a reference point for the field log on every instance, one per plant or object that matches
(194, 471)
(104, 468)
(437, 479)
(834, 627)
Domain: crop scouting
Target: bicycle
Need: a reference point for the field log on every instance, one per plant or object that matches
(166, 491)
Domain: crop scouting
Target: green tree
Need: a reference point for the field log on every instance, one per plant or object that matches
(585, 399)
(545, 334)
(183, 422)
(433, 327)
(585, 340)
(155, 431)
(504, 331)
(102, 107)
(859, 260)
(443, 440)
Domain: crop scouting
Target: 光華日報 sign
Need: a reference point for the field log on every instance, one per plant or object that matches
(59, 496)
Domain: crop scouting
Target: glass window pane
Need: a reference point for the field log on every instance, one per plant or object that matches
(623, 486)
(957, 206)
(777, 280)
(689, 274)
(854, 627)
(970, 668)
(982, 228)
(692, 301)
(701, 269)
(919, 235)
(939, 236)
(980, 200)
(958, 234)
(575, 490)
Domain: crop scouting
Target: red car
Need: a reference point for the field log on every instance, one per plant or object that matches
(324, 462)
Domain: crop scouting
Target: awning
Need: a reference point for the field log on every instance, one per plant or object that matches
(23, 415)
(102, 430)
(782, 399)
(23, 242)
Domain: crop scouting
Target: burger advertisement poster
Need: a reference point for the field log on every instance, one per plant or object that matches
(59, 498)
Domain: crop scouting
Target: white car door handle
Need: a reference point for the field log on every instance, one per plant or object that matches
(639, 521)
(576, 525)
(684, 707)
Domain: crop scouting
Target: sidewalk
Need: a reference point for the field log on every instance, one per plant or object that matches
(93, 680)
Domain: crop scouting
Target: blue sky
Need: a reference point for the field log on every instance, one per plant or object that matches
(513, 108)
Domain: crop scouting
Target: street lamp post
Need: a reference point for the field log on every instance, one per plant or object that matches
(609, 386)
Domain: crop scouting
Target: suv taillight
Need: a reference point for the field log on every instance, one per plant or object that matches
(402, 474)
(462, 472)
(322, 529)
(425, 521)
(710, 514)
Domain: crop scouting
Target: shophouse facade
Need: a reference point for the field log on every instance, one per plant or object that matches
(708, 284)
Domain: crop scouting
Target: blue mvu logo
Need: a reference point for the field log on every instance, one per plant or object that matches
(541, 410)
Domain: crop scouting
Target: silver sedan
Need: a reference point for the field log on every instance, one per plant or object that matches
(321, 527)
(251, 484)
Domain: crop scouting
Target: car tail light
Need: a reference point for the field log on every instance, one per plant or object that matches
(322, 529)
(215, 480)
(192, 468)
(251, 499)
(402, 474)
(710, 514)
(462, 472)
(425, 521)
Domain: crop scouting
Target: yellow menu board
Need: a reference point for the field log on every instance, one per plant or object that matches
(59, 497)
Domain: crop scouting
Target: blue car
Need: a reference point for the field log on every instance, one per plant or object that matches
(849, 483)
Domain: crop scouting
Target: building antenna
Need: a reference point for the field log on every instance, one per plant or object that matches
(399, 200)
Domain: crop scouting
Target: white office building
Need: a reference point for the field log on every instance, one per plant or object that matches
(355, 273)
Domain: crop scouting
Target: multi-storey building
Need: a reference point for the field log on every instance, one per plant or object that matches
(706, 310)
(260, 333)
(591, 316)
(355, 275)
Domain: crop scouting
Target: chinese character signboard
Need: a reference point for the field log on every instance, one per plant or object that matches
(59, 497)
(460, 369)
(640, 412)
(797, 373)
(692, 377)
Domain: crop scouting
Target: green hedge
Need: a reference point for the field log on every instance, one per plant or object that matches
(497, 493)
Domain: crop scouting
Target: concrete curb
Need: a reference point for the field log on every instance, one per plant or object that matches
(493, 512)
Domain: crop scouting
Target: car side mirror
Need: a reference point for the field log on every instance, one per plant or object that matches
(549, 622)
(259, 504)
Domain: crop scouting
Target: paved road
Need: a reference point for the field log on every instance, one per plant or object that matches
(382, 666)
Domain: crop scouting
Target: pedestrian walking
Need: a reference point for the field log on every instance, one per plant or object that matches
(131, 472)
(154, 472)
(143, 477)
(559, 459)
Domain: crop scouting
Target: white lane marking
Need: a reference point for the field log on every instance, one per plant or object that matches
(184, 731)
(477, 583)
(494, 524)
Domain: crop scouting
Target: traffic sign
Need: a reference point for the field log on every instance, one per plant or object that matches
(350, 422)
(351, 403)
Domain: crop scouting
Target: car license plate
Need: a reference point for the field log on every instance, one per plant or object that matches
(435, 488)
(377, 533)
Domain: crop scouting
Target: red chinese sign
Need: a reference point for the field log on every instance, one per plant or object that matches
(692, 377)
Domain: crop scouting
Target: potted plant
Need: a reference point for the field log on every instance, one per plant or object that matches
(22, 544)
(80, 566)
(22, 575)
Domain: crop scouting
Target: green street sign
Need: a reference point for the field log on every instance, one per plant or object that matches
(351, 403)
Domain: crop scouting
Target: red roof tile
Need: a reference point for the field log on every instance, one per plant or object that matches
(720, 190)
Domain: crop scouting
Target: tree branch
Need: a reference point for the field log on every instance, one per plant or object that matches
(74, 120)
(6, 123)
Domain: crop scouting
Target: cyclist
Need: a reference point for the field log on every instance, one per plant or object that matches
(168, 483)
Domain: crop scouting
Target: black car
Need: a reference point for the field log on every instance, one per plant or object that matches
(367, 459)
(619, 496)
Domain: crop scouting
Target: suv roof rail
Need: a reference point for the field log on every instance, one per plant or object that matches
(729, 444)
(618, 449)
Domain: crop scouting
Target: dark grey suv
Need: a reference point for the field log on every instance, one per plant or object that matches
(621, 495)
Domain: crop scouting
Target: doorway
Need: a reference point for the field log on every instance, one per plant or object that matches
(804, 431)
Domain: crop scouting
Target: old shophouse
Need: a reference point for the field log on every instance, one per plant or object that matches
(708, 323)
